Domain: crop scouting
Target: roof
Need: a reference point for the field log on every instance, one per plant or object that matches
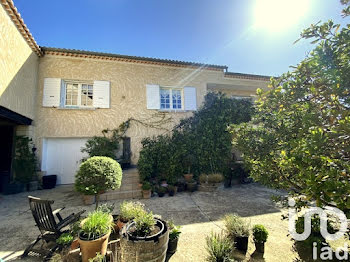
(21, 26)
(127, 58)
(247, 76)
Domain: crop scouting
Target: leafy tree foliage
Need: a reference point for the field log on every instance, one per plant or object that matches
(299, 138)
(25, 161)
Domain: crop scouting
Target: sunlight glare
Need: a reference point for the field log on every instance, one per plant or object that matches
(277, 15)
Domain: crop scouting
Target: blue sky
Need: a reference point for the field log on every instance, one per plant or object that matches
(211, 31)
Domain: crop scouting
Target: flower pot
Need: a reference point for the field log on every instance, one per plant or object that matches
(161, 194)
(172, 246)
(120, 224)
(188, 177)
(75, 244)
(150, 248)
(241, 243)
(140, 186)
(191, 186)
(49, 181)
(227, 183)
(88, 199)
(146, 194)
(89, 248)
(260, 247)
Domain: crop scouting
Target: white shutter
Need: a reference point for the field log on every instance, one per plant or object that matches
(190, 98)
(101, 93)
(153, 98)
(52, 89)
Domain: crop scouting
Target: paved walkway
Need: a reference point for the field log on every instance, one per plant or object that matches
(198, 213)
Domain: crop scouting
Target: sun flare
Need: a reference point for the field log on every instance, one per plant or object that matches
(278, 15)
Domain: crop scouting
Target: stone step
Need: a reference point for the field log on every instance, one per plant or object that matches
(115, 194)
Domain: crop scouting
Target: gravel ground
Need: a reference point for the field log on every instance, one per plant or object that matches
(198, 213)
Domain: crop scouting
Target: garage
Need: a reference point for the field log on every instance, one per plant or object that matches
(62, 157)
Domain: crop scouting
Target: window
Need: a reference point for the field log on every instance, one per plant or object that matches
(171, 98)
(78, 94)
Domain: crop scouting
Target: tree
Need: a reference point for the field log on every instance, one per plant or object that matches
(299, 138)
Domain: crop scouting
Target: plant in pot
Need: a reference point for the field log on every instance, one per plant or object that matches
(191, 185)
(188, 162)
(238, 230)
(94, 234)
(260, 235)
(174, 234)
(161, 191)
(215, 179)
(129, 210)
(172, 190)
(219, 248)
(145, 238)
(97, 175)
(146, 190)
(64, 241)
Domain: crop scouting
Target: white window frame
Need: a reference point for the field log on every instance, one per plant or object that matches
(171, 98)
(80, 84)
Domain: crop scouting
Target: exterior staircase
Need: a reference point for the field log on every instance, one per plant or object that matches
(129, 188)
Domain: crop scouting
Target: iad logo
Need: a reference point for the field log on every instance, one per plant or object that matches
(322, 213)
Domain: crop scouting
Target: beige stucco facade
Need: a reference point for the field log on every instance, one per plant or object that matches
(18, 69)
(128, 82)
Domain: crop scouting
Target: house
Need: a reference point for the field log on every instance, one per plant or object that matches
(62, 97)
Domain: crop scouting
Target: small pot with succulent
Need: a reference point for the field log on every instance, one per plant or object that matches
(174, 234)
(128, 210)
(172, 190)
(238, 230)
(260, 235)
(161, 191)
(146, 190)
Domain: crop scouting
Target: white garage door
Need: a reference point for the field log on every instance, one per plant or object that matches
(62, 157)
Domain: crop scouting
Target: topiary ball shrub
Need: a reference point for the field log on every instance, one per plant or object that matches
(98, 174)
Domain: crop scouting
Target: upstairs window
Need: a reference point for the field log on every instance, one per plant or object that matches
(78, 94)
(171, 98)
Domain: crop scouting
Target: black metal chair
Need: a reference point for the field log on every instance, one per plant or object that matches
(50, 230)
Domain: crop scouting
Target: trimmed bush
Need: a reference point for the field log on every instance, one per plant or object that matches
(219, 248)
(260, 234)
(98, 174)
(236, 226)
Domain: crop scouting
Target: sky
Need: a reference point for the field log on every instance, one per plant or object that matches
(248, 36)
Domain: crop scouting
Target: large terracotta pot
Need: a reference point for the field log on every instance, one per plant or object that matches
(89, 248)
(146, 194)
(188, 177)
(88, 199)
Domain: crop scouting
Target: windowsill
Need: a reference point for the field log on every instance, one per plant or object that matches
(76, 108)
(174, 110)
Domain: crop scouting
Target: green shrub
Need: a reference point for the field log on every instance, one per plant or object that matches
(98, 174)
(25, 161)
(174, 231)
(219, 248)
(260, 234)
(161, 189)
(236, 226)
(215, 178)
(203, 178)
(144, 223)
(146, 186)
(98, 258)
(129, 210)
(96, 225)
(65, 239)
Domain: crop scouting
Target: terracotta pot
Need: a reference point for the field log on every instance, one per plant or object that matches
(146, 194)
(188, 177)
(140, 185)
(75, 244)
(88, 199)
(120, 224)
(89, 248)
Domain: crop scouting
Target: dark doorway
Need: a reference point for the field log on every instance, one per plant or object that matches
(6, 143)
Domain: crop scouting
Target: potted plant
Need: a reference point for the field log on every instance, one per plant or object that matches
(97, 175)
(215, 179)
(219, 248)
(174, 234)
(146, 190)
(128, 210)
(161, 191)
(191, 185)
(65, 240)
(181, 185)
(238, 230)
(210, 182)
(172, 190)
(145, 238)
(260, 235)
(94, 234)
(188, 162)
